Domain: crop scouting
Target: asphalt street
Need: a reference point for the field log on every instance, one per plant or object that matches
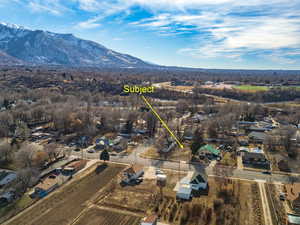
(227, 172)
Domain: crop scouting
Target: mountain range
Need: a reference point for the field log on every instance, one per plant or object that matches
(21, 46)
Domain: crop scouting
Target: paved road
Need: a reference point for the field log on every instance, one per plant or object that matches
(233, 173)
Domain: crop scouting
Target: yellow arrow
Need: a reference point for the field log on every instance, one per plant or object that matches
(163, 122)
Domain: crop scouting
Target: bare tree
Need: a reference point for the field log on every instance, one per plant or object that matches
(151, 124)
(25, 177)
(22, 131)
(286, 140)
(25, 156)
(52, 151)
(270, 143)
(5, 152)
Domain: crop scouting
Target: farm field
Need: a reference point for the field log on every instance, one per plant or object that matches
(96, 216)
(66, 204)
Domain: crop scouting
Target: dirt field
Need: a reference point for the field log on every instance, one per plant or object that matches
(227, 203)
(167, 85)
(177, 154)
(136, 199)
(64, 206)
(95, 216)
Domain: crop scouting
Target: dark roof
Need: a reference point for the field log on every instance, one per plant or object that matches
(257, 135)
(251, 155)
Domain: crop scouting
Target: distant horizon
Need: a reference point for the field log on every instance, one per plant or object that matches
(220, 34)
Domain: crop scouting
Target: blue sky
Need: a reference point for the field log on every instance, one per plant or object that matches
(229, 34)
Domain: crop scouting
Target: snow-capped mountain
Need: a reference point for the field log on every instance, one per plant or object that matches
(37, 47)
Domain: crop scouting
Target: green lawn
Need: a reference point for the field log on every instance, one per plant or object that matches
(290, 87)
(251, 88)
(16, 207)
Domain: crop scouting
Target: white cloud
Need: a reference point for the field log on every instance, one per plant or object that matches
(89, 24)
(118, 39)
(54, 7)
(220, 28)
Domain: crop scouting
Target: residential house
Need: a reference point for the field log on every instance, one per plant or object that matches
(193, 181)
(245, 124)
(149, 220)
(102, 143)
(188, 135)
(46, 186)
(132, 173)
(6, 198)
(74, 167)
(293, 219)
(209, 151)
(9, 177)
(296, 204)
(169, 147)
(257, 137)
(255, 160)
(258, 129)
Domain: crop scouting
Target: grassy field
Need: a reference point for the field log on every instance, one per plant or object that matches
(251, 88)
(13, 209)
(66, 204)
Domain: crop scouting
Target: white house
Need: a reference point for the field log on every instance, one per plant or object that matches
(193, 181)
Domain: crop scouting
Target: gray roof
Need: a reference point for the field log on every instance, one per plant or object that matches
(257, 135)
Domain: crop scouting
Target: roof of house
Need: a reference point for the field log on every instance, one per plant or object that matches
(184, 189)
(293, 219)
(257, 135)
(258, 129)
(8, 178)
(150, 219)
(47, 183)
(77, 164)
(210, 148)
(56, 165)
(251, 155)
(191, 176)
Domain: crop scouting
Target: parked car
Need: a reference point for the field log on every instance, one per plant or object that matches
(267, 172)
(91, 151)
